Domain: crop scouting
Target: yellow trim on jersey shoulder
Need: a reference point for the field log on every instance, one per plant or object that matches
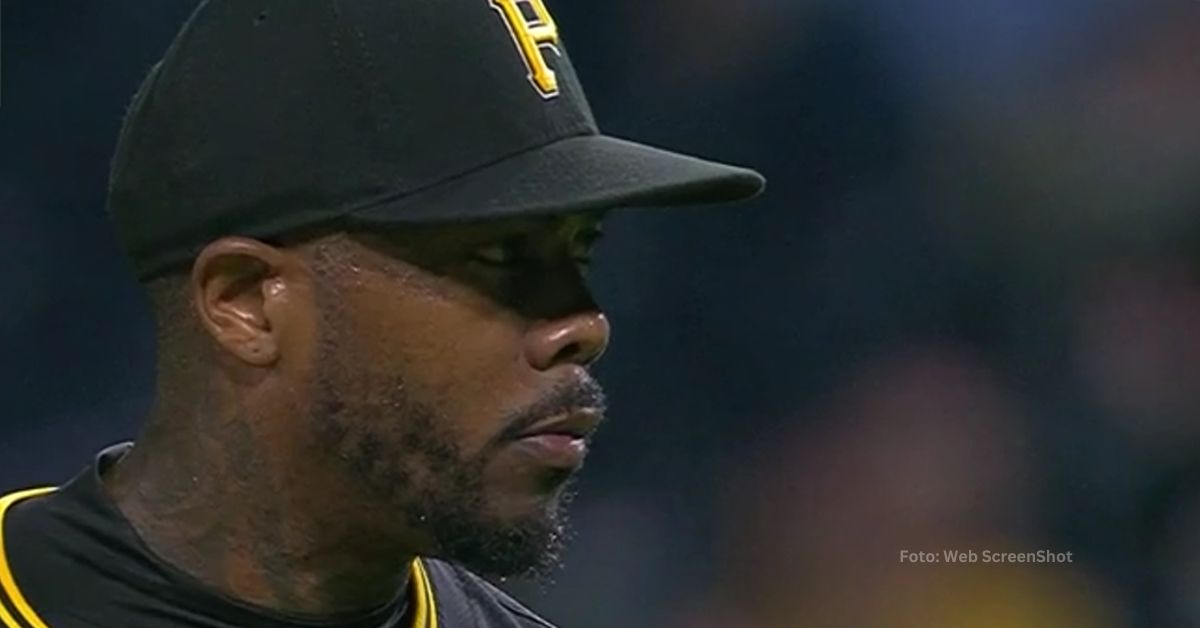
(424, 604)
(7, 582)
(6, 618)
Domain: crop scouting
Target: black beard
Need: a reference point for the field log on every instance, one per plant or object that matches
(463, 532)
(457, 510)
(420, 471)
(398, 447)
(437, 490)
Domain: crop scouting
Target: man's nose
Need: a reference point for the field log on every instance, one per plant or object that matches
(578, 339)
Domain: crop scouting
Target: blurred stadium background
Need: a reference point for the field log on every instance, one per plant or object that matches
(966, 315)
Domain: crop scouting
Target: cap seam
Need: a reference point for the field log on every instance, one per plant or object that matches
(393, 196)
(152, 264)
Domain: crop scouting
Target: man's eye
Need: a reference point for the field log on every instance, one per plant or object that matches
(497, 254)
(511, 256)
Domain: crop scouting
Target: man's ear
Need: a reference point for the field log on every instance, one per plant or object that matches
(234, 281)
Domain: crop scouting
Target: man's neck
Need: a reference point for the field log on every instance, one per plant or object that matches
(215, 505)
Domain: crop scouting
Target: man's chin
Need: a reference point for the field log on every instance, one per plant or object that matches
(524, 550)
(519, 547)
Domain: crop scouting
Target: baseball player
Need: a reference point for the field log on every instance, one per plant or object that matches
(364, 227)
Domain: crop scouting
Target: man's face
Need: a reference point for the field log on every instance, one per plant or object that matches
(451, 380)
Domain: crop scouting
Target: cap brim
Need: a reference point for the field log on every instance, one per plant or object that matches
(576, 174)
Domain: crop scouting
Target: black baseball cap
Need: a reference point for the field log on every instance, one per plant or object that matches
(269, 116)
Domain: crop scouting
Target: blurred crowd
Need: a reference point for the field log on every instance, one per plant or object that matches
(966, 316)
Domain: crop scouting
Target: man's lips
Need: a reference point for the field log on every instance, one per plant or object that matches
(561, 441)
(579, 423)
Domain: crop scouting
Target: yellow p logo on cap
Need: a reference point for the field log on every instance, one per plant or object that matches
(533, 35)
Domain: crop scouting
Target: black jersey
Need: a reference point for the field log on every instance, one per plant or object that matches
(69, 559)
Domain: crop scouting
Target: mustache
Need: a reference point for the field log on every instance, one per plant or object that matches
(563, 398)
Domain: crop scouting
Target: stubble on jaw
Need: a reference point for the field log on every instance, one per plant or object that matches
(403, 454)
